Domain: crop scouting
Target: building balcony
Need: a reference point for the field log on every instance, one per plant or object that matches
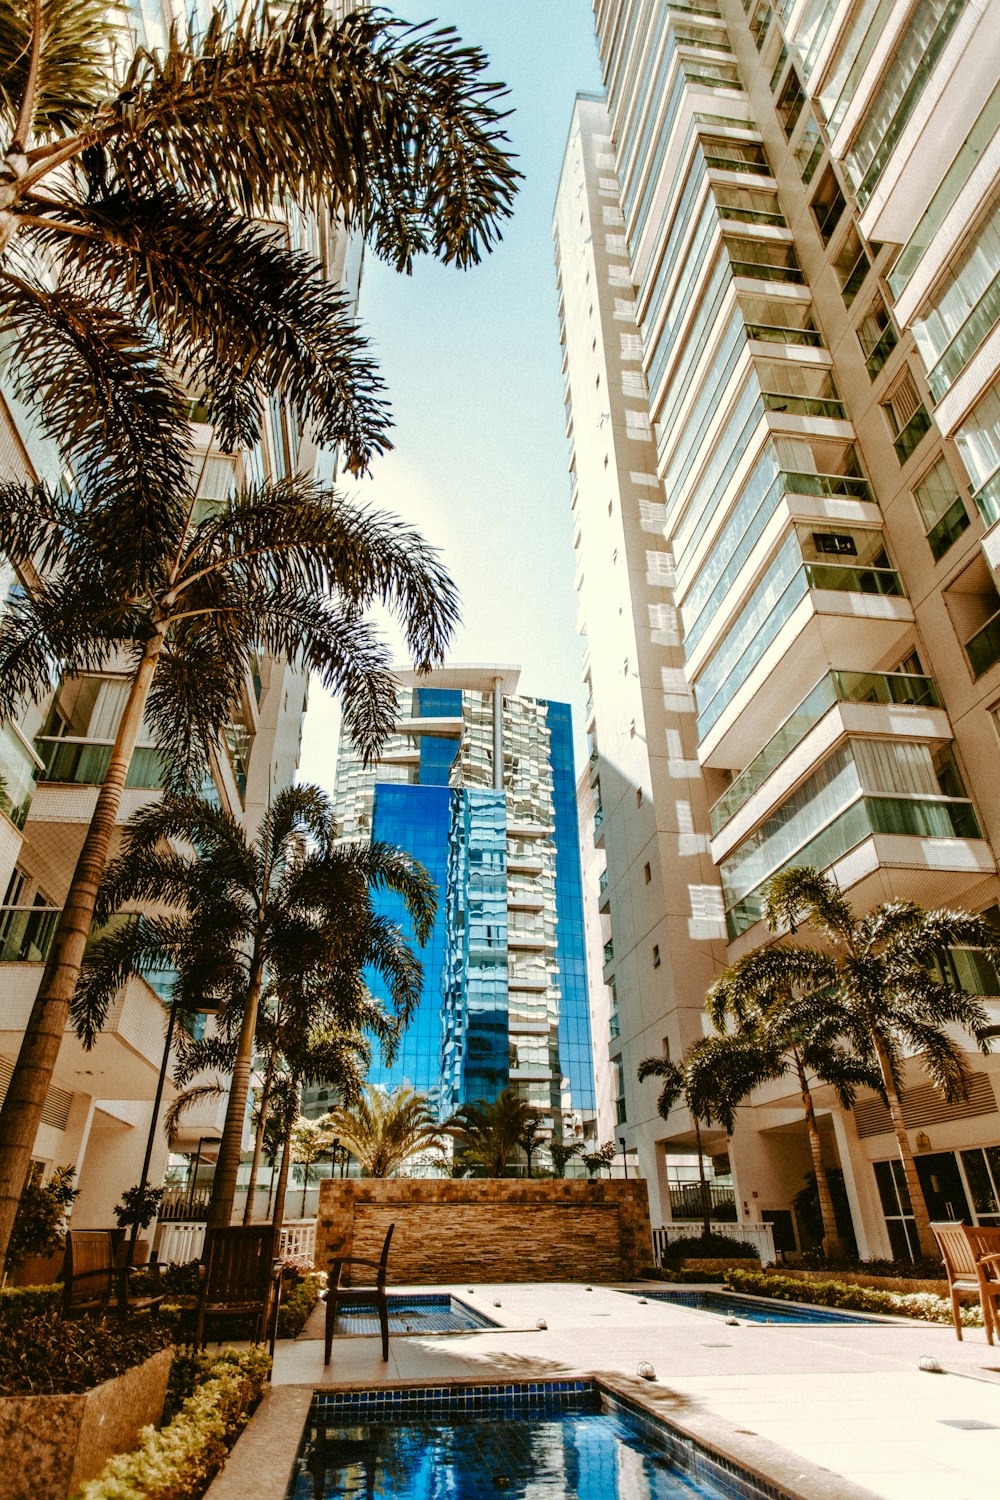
(826, 612)
(924, 849)
(69, 761)
(523, 864)
(983, 650)
(521, 899)
(866, 704)
(603, 893)
(908, 440)
(527, 942)
(126, 1056)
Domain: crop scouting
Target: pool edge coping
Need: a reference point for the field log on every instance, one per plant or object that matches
(262, 1461)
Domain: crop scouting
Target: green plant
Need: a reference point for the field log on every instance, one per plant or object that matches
(177, 1461)
(40, 1224)
(924, 1305)
(139, 1206)
(491, 1131)
(17, 1302)
(296, 1305)
(562, 1152)
(601, 1156)
(808, 1207)
(41, 1355)
(710, 1246)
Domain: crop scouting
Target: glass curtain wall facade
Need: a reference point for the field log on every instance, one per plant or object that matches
(478, 785)
(797, 208)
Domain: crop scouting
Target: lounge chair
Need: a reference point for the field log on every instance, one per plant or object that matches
(334, 1290)
(240, 1278)
(972, 1260)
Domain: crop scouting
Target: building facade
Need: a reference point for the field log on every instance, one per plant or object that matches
(777, 247)
(478, 784)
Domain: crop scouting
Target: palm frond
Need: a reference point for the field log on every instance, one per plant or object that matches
(802, 893)
(184, 1102)
(76, 42)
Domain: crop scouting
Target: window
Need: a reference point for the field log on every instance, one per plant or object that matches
(647, 874)
(828, 204)
(656, 955)
(638, 796)
(877, 336)
(808, 151)
(851, 265)
(789, 102)
(907, 416)
(941, 508)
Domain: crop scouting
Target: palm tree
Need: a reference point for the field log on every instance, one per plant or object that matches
(776, 1037)
(383, 1130)
(701, 1096)
(149, 196)
(879, 980)
(289, 902)
(490, 1133)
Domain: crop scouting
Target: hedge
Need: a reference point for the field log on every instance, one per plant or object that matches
(297, 1304)
(41, 1355)
(178, 1461)
(710, 1247)
(924, 1305)
(18, 1302)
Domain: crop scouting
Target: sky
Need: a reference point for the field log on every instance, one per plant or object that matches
(473, 367)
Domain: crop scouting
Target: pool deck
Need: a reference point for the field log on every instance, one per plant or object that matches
(830, 1412)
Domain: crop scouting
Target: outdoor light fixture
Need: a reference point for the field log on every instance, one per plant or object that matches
(645, 1370)
(621, 1142)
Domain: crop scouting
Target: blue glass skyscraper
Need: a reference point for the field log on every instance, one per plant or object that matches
(478, 784)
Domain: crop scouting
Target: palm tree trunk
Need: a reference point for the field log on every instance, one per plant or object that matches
(706, 1207)
(286, 1156)
(833, 1245)
(258, 1140)
(21, 1114)
(220, 1210)
(921, 1218)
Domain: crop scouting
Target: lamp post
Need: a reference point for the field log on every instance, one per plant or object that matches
(157, 1099)
(621, 1142)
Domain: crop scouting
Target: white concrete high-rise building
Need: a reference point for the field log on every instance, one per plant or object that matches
(777, 251)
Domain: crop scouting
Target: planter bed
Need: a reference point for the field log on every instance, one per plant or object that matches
(937, 1285)
(50, 1444)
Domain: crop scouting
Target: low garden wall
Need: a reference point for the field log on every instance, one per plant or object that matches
(50, 1444)
(489, 1229)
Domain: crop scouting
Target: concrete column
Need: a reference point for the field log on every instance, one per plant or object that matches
(498, 733)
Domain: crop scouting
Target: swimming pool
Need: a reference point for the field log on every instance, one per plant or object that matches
(557, 1440)
(753, 1309)
(419, 1312)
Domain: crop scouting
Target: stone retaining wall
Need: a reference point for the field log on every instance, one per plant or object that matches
(489, 1230)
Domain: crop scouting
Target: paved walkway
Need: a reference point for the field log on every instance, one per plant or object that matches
(828, 1410)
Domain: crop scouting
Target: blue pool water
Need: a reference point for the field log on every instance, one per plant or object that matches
(552, 1441)
(421, 1312)
(753, 1309)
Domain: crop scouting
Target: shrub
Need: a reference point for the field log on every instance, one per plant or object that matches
(296, 1305)
(177, 1461)
(710, 1246)
(919, 1270)
(924, 1305)
(25, 1301)
(139, 1206)
(41, 1355)
(40, 1225)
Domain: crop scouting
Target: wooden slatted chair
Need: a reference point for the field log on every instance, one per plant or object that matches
(972, 1260)
(334, 1291)
(95, 1276)
(240, 1277)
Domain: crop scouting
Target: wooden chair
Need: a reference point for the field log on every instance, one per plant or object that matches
(240, 1277)
(972, 1260)
(334, 1290)
(95, 1275)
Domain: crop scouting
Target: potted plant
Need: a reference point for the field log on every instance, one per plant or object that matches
(34, 1255)
(138, 1207)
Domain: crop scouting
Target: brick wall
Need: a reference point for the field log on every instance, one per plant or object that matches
(487, 1230)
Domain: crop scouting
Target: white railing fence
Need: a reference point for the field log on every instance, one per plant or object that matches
(298, 1237)
(758, 1235)
(179, 1242)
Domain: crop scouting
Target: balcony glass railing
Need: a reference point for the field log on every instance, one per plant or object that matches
(609, 952)
(878, 356)
(829, 485)
(835, 687)
(80, 762)
(26, 933)
(969, 970)
(805, 406)
(983, 650)
(771, 333)
(913, 817)
(844, 578)
(729, 211)
(18, 774)
(614, 1029)
(602, 882)
(757, 272)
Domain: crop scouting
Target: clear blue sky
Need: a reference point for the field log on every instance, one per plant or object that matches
(473, 366)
